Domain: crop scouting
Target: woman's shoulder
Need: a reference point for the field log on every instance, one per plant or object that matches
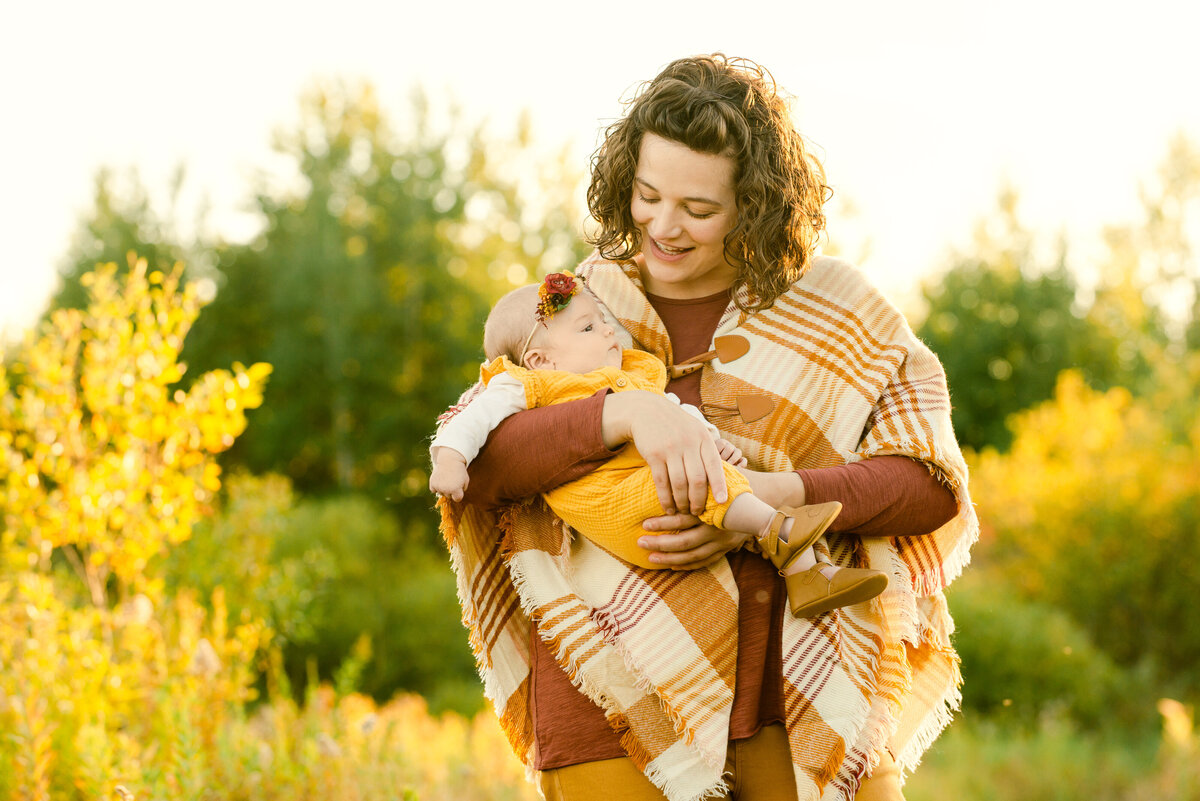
(597, 266)
(835, 282)
(835, 276)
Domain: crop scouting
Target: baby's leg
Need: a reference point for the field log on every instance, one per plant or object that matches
(609, 505)
(751, 514)
(813, 586)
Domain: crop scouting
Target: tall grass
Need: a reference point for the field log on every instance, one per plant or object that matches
(978, 760)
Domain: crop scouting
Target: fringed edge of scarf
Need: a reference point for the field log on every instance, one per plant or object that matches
(511, 718)
(614, 715)
(451, 515)
(950, 471)
(919, 623)
(872, 739)
(939, 716)
(617, 719)
(679, 723)
(670, 787)
(882, 717)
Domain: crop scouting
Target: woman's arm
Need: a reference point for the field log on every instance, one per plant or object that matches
(537, 450)
(888, 496)
(682, 455)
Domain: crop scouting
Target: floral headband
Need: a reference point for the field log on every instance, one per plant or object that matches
(554, 295)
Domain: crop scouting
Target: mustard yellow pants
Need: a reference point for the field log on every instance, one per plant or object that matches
(756, 769)
(609, 504)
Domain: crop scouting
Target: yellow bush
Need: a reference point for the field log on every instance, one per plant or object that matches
(1095, 510)
(104, 465)
(104, 462)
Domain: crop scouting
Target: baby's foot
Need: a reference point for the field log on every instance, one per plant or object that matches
(824, 586)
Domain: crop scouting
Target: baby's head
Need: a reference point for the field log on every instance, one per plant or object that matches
(572, 337)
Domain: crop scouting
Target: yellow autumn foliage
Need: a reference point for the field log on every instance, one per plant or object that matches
(105, 464)
(104, 460)
(1096, 510)
(114, 685)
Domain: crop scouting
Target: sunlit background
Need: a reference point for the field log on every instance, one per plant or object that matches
(234, 569)
(921, 110)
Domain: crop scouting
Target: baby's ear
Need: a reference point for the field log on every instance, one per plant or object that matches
(537, 359)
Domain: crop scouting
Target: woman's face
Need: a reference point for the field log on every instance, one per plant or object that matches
(684, 205)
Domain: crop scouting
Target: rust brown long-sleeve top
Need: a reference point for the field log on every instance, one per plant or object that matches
(537, 450)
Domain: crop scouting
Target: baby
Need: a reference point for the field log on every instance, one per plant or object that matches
(549, 344)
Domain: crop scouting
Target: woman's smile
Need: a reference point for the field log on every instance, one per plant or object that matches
(666, 252)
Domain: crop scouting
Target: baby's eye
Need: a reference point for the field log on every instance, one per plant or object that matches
(588, 328)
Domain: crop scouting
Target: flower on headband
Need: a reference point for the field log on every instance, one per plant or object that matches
(555, 293)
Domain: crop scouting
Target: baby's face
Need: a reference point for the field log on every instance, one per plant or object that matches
(579, 340)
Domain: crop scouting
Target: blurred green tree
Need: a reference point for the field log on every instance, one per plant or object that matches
(121, 220)
(342, 550)
(378, 257)
(368, 287)
(1005, 324)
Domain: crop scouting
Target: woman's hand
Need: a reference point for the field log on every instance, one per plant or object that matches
(689, 544)
(679, 450)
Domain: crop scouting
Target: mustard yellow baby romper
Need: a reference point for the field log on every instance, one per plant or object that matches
(609, 504)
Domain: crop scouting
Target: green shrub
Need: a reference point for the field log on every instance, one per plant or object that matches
(977, 760)
(397, 593)
(1024, 661)
(235, 549)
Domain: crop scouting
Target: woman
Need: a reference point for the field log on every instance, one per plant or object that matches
(617, 682)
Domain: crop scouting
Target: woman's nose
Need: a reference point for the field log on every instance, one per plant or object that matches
(665, 225)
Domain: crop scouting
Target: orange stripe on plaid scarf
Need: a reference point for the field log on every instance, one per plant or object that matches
(859, 647)
(702, 593)
(791, 338)
(787, 429)
(830, 327)
(817, 750)
(515, 721)
(922, 552)
(561, 633)
(641, 588)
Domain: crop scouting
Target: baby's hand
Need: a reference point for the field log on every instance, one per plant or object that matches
(449, 476)
(731, 453)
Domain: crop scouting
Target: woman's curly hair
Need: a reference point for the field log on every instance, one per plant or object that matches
(722, 106)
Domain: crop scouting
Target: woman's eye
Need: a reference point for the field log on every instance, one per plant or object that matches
(645, 199)
(700, 215)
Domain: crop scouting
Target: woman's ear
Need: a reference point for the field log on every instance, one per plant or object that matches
(538, 359)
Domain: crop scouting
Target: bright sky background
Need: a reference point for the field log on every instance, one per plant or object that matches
(921, 110)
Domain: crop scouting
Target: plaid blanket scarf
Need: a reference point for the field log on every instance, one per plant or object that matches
(655, 649)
